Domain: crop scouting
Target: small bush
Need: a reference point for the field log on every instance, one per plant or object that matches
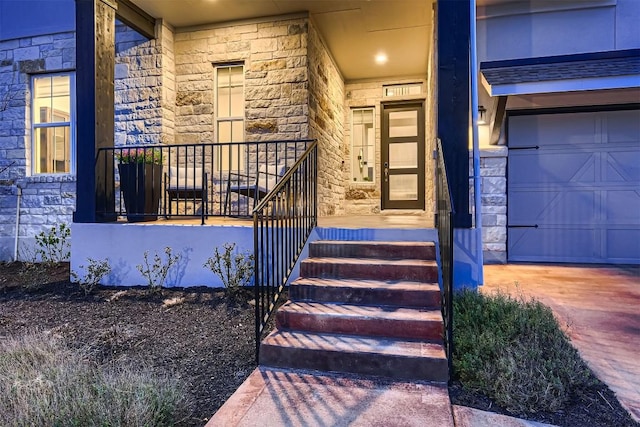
(93, 274)
(513, 351)
(53, 246)
(235, 270)
(44, 382)
(156, 273)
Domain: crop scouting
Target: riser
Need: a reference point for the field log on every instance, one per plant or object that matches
(426, 330)
(373, 271)
(381, 250)
(306, 290)
(382, 365)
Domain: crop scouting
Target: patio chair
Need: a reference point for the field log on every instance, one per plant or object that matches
(188, 184)
(255, 187)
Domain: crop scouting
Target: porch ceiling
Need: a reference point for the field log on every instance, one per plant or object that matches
(354, 30)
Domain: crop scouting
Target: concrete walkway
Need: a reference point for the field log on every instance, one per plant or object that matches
(600, 306)
(287, 398)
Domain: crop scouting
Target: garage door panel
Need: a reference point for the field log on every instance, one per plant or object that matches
(550, 130)
(623, 166)
(552, 208)
(622, 126)
(623, 245)
(573, 187)
(566, 245)
(552, 168)
(623, 207)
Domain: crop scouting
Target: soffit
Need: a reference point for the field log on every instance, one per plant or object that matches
(354, 30)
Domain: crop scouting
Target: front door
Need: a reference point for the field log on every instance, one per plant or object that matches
(403, 156)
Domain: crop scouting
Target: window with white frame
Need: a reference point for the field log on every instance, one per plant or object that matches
(363, 148)
(53, 123)
(229, 115)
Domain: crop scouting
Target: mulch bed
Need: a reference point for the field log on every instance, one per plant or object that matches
(207, 340)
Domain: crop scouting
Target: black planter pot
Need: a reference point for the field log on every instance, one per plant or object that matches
(140, 184)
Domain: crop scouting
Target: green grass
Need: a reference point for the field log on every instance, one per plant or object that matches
(44, 382)
(513, 351)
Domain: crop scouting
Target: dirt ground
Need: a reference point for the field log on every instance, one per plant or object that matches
(207, 339)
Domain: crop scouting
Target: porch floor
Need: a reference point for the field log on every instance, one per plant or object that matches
(400, 220)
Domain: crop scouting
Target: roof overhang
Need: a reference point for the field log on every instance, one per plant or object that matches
(355, 31)
(566, 73)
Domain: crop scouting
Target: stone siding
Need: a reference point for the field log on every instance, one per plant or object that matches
(493, 178)
(144, 114)
(274, 54)
(46, 200)
(138, 88)
(326, 119)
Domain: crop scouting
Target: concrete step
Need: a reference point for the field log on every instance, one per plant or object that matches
(366, 292)
(378, 250)
(384, 357)
(381, 321)
(370, 268)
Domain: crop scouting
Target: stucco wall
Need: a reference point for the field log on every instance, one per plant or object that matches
(326, 120)
(511, 31)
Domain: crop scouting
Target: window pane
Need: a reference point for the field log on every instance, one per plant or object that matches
(403, 187)
(52, 150)
(237, 131)
(52, 100)
(403, 123)
(224, 131)
(403, 155)
(237, 102)
(224, 109)
(362, 145)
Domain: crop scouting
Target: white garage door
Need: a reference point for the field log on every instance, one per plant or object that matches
(574, 187)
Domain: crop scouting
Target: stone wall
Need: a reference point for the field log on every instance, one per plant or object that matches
(138, 88)
(326, 119)
(46, 200)
(274, 54)
(144, 104)
(365, 198)
(493, 173)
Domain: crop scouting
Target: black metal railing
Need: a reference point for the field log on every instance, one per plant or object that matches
(186, 180)
(444, 223)
(282, 223)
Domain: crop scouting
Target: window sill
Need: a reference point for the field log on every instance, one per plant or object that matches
(50, 178)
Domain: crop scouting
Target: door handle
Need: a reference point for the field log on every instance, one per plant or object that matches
(386, 172)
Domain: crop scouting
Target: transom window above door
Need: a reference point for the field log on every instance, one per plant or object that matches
(53, 124)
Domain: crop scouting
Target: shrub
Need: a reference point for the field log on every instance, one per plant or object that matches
(53, 246)
(513, 351)
(156, 273)
(93, 274)
(235, 271)
(44, 382)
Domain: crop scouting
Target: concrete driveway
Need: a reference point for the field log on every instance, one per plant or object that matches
(600, 306)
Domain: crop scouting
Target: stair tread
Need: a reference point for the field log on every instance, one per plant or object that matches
(374, 243)
(374, 261)
(400, 285)
(358, 311)
(316, 341)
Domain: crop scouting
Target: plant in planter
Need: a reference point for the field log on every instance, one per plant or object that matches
(140, 182)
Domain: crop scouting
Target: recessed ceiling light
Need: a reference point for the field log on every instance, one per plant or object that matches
(381, 58)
